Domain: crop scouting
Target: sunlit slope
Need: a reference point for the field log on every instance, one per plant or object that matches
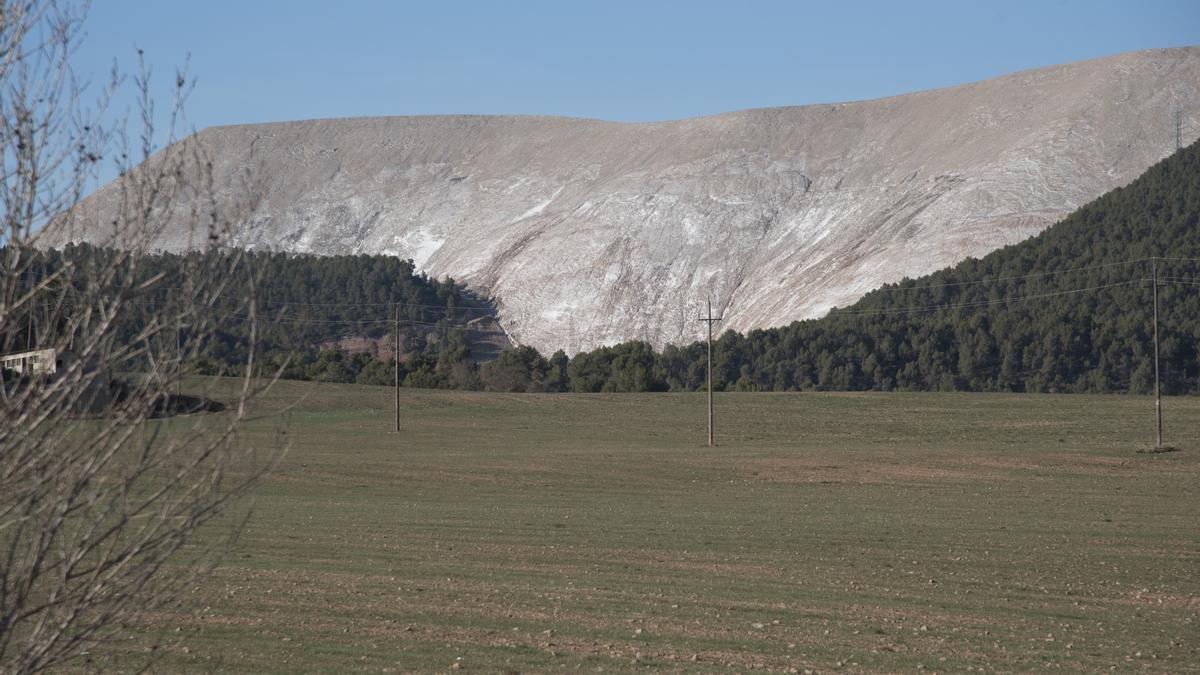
(589, 232)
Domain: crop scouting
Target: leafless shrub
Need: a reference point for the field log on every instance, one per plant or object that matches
(100, 503)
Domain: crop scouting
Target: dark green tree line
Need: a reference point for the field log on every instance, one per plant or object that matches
(1065, 311)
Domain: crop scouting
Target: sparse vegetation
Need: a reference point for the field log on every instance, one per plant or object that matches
(94, 502)
(881, 531)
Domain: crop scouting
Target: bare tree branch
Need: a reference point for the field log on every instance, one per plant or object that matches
(98, 497)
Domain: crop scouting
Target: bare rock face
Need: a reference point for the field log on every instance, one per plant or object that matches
(589, 233)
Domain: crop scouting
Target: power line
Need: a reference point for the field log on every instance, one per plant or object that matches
(152, 303)
(449, 323)
(897, 286)
(979, 303)
(1176, 259)
(889, 289)
(367, 322)
(402, 305)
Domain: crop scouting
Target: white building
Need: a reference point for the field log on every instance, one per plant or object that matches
(99, 390)
(40, 362)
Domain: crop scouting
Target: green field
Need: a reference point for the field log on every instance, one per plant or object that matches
(831, 532)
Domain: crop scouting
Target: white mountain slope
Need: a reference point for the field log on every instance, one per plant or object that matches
(588, 232)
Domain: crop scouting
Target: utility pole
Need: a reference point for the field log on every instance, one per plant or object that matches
(1157, 389)
(710, 320)
(178, 357)
(396, 364)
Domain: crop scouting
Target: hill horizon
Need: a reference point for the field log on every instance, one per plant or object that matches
(588, 233)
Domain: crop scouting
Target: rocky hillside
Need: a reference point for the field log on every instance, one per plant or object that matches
(588, 232)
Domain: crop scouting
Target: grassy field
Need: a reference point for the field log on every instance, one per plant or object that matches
(829, 532)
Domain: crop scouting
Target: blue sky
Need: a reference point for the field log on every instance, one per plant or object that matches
(261, 61)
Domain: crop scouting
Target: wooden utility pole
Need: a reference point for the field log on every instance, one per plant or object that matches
(710, 320)
(1178, 130)
(396, 364)
(1157, 388)
(178, 357)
